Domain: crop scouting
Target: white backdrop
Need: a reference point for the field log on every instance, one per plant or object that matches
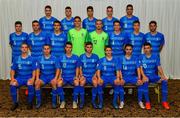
(165, 12)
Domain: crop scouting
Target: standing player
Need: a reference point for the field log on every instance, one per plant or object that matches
(57, 40)
(36, 40)
(136, 39)
(99, 39)
(130, 68)
(126, 22)
(88, 63)
(69, 67)
(68, 21)
(46, 22)
(150, 67)
(77, 36)
(16, 39)
(22, 73)
(90, 21)
(117, 40)
(108, 21)
(156, 39)
(47, 72)
(108, 72)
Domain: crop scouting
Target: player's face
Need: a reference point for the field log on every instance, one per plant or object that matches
(46, 50)
(68, 12)
(18, 28)
(99, 25)
(136, 26)
(108, 52)
(109, 12)
(57, 26)
(116, 26)
(35, 26)
(48, 12)
(88, 48)
(152, 27)
(128, 50)
(147, 49)
(129, 10)
(77, 22)
(24, 48)
(68, 48)
(90, 13)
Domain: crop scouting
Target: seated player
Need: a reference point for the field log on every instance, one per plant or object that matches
(69, 68)
(150, 67)
(130, 68)
(107, 73)
(47, 73)
(22, 73)
(88, 63)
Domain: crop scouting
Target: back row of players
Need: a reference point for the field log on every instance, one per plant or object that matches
(113, 66)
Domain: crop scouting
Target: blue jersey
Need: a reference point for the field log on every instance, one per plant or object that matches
(137, 41)
(88, 65)
(108, 68)
(89, 25)
(23, 67)
(150, 64)
(47, 24)
(47, 66)
(68, 65)
(117, 42)
(156, 41)
(15, 41)
(129, 66)
(127, 23)
(108, 26)
(36, 42)
(67, 24)
(57, 42)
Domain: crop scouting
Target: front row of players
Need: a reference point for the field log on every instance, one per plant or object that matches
(87, 69)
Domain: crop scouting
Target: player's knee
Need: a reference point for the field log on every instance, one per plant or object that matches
(30, 83)
(76, 82)
(82, 83)
(60, 83)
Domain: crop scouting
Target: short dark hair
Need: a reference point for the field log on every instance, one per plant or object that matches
(88, 43)
(47, 6)
(128, 45)
(136, 21)
(77, 17)
(35, 21)
(24, 43)
(46, 45)
(109, 7)
(107, 46)
(116, 21)
(90, 7)
(98, 20)
(68, 43)
(56, 21)
(18, 23)
(147, 44)
(153, 22)
(129, 5)
(68, 7)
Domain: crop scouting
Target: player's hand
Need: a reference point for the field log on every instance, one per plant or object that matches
(13, 81)
(31, 81)
(122, 82)
(100, 81)
(145, 79)
(139, 82)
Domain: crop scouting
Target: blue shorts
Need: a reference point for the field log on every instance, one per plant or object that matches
(47, 79)
(108, 80)
(131, 79)
(153, 78)
(69, 81)
(22, 81)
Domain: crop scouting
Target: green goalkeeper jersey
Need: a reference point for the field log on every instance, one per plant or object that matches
(99, 42)
(78, 38)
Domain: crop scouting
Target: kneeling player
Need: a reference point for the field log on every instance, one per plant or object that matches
(88, 63)
(69, 67)
(108, 73)
(150, 67)
(47, 72)
(22, 73)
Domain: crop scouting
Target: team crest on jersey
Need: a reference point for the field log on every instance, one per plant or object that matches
(94, 41)
(82, 35)
(144, 65)
(103, 38)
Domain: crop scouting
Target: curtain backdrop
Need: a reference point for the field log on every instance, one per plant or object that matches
(165, 12)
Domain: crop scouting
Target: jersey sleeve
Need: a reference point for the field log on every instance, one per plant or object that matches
(83, 24)
(162, 40)
(99, 65)
(69, 36)
(40, 23)
(121, 23)
(158, 62)
(87, 36)
(107, 40)
(48, 39)
(10, 40)
(34, 64)
(138, 64)
(14, 65)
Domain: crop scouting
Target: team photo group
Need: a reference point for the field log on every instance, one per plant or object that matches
(76, 52)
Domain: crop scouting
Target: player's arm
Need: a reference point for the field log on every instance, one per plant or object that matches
(12, 74)
(139, 73)
(77, 73)
(144, 77)
(57, 73)
(162, 43)
(161, 73)
(161, 47)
